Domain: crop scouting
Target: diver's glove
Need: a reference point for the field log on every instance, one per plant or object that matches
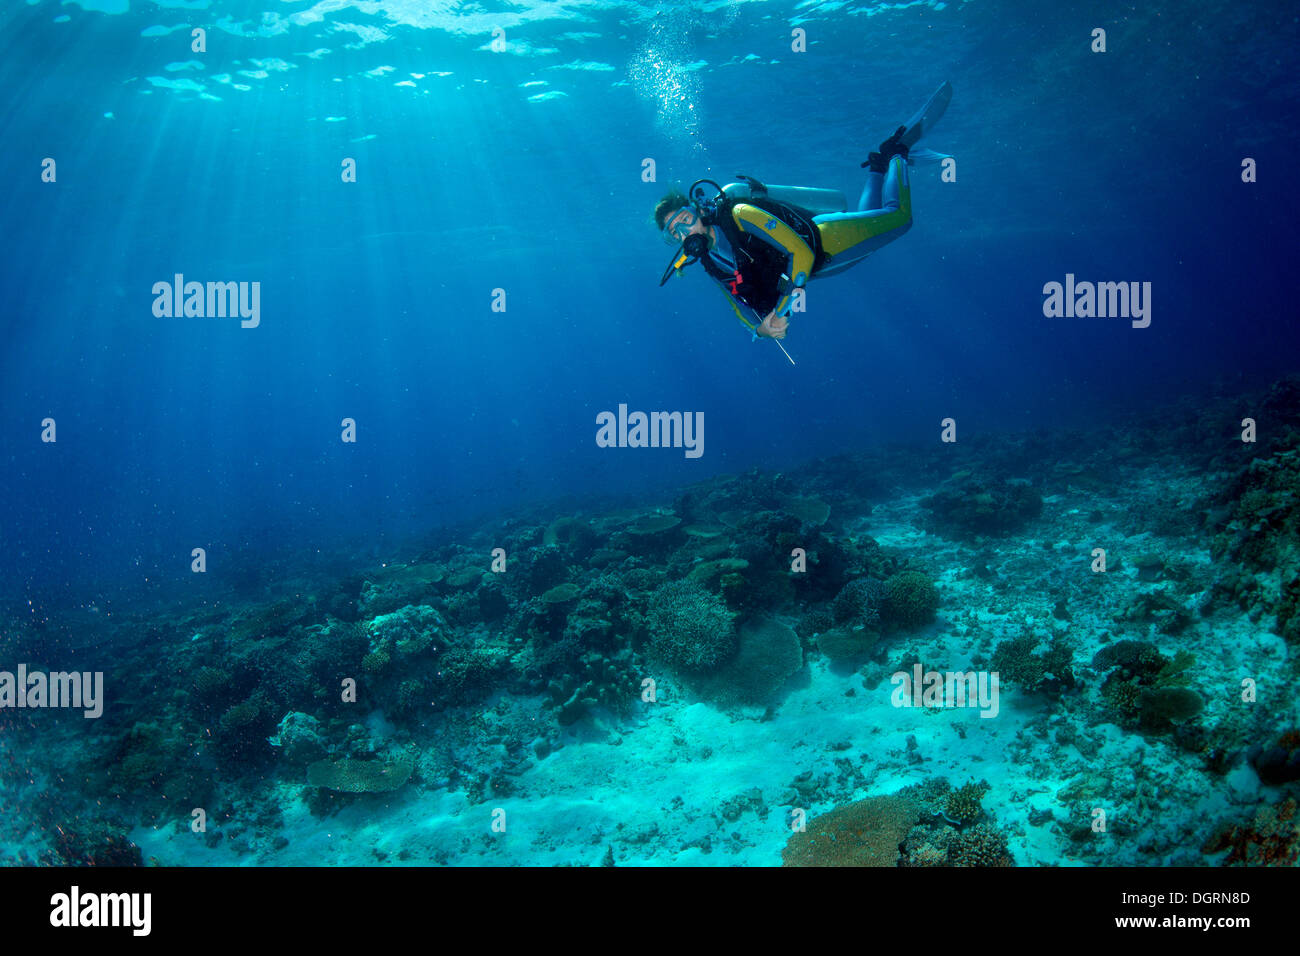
(879, 162)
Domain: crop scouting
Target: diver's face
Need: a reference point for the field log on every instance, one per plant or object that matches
(683, 223)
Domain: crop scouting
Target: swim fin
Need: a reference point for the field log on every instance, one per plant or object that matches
(925, 157)
(927, 116)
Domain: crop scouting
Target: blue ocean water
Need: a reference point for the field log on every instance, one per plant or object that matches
(501, 155)
(377, 295)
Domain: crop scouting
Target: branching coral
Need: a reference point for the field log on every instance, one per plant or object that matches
(1048, 671)
(858, 604)
(465, 675)
(690, 628)
(963, 804)
(981, 845)
(909, 600)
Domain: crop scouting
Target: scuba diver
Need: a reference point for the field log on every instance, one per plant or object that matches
(762, 243)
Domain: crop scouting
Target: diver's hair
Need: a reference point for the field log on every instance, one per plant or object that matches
(673, 200)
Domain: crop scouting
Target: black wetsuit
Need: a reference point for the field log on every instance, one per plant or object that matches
(750, 265)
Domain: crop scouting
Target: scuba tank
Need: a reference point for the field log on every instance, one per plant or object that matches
(816, 201)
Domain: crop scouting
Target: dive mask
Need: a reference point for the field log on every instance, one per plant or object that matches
(679, 226)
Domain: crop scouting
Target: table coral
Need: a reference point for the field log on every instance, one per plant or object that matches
(866, 833)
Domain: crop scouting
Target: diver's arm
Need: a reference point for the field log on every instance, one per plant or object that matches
(784, 240)
(771, 325)
(737, 306)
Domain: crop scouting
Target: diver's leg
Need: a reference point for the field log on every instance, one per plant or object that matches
(890, 189)
(871, 192)
(849, 237)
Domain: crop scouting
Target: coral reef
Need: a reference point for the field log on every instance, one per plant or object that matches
(1049, 671)
(980, 845)
(768, 653)
(1145, 688)
(299, 738)
(909, 600)
(963, 805)
(867, 833)
(690, 628)
(974, 504)
(466, 675)
(1271, 838)
(95, 842)
(407, 632)
(490, 673)
(1279, 763)
(398, 586)
(859, 604)
(1259, 528)
(349, 775)
(847, 644)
